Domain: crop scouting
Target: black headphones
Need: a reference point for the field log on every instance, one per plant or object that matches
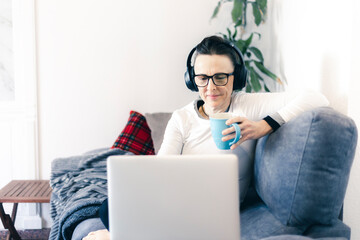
(240, 71)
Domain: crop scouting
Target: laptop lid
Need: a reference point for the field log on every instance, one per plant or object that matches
(174, 197)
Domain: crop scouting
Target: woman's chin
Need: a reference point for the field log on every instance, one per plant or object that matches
(214, 107)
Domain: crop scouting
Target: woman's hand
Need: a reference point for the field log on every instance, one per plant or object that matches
(103, 234)
(249, 130)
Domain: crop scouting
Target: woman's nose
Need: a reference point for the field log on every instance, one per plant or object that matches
(211, 84)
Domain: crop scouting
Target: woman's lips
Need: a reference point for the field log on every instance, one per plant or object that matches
(212, 96)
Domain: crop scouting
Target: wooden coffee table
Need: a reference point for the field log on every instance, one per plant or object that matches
(22, 191)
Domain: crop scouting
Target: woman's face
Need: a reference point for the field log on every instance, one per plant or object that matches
(216, 98)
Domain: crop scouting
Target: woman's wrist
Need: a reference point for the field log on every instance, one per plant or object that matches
(267, 129)
(274, 125)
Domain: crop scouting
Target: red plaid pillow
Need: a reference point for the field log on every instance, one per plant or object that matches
(136, 136)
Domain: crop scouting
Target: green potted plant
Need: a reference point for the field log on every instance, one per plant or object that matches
(237, 34)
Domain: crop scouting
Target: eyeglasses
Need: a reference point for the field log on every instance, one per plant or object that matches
(219, 79)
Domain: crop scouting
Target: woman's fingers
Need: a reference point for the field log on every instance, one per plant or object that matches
(235, 120)
(244, 135)
(228, 131)
(89, 236)
(249, 130)
(98, 235)
(242, 122)
(228, 137)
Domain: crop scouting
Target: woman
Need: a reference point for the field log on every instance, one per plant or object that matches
(258, 113)
(217, 74)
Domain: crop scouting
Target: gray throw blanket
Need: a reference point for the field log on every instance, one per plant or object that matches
(79, 186)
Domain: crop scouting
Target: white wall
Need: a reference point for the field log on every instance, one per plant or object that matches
(320, 47)
(18, 114)
(6, 52)
(97, 60)
(352, 205)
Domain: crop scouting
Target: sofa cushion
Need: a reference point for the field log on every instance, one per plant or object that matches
(258, 222)
(336, 230)
(157, 123)
(295, 237)
(302, 170)
(136, 136)
(87, 226)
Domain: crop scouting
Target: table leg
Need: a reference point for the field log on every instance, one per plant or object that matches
(8, 222)
(13, 217)
(14, 211)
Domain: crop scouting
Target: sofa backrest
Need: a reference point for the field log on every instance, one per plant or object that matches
(157, 123)
(302, 170)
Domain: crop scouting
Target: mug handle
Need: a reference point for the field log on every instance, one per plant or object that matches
(238, 133)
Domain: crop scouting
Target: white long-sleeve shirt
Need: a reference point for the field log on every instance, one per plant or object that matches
(188, 132)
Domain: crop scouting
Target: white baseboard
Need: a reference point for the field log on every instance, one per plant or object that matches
(28, 222)
(27, 217)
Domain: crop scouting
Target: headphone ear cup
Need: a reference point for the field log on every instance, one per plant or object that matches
(236, 78)
(244, 76)
(189, 79)
(240, 76)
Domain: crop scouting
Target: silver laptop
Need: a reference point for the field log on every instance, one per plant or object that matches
(176, 197)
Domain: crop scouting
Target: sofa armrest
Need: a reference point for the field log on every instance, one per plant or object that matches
(302, 170)
(59, 165)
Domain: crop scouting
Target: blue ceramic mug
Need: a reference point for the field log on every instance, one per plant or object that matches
(217, 124)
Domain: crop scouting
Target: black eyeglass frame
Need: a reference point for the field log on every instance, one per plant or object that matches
(212, 78)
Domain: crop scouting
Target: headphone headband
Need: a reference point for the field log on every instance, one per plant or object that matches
(188, 62)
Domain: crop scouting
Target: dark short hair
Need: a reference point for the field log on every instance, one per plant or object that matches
(215, 45)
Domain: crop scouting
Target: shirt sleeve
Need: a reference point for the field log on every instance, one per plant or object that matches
(173, 137)
(287, 105)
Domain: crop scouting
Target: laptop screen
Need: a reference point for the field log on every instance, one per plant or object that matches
(174, 197)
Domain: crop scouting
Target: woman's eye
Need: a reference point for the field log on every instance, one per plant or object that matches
(220, 77)
(203, 78)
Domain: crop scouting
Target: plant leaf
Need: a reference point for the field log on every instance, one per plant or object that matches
(230, 35)
(267, 72)
(266, 88)
(247, 63)
(259, 35)
(255, 83)
(229, 32)
(248, 88)
(258, 75)
(256, 13)
(262, 5)
(223, 35)
(249, 40)
(216, 10)
(239, 23)
(234, 35)
(237, 11)
(241, 45)
(257, 53)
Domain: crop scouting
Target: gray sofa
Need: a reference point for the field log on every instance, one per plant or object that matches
(300, 178)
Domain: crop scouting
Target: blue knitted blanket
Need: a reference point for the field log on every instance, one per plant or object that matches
(79, 186)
